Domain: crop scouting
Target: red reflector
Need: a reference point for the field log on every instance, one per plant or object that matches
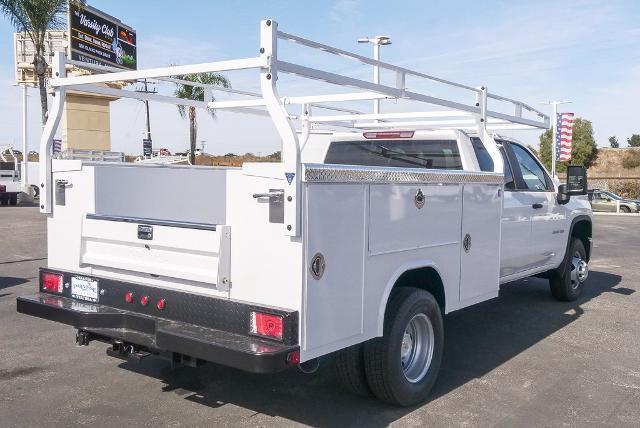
(293, 357)
(144, 300)
(3, 188)
(266, 325)
(161, 304)
(52, 282)
(128, 297)
(387, 134)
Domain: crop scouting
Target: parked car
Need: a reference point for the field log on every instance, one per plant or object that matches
(605, 201)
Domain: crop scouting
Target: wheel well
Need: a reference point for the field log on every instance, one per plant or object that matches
(425, 278)
(582, 231)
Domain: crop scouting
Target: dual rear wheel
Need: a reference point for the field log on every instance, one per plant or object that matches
(400, 367)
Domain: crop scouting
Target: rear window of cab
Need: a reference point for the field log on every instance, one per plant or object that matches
(431, 154)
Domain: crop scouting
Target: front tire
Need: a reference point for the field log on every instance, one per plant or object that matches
(567, 283)
(402, 366)
(625, 210)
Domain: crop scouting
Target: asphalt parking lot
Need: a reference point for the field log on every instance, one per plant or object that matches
(521, 359)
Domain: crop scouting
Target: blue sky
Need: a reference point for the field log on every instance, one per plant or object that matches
(584, 51)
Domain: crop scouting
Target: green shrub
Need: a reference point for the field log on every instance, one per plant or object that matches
(631, 159)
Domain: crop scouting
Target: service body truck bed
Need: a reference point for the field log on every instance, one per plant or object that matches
(354, 246)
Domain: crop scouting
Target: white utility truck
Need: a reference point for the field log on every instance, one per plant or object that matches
(10, 186)
(372, 227)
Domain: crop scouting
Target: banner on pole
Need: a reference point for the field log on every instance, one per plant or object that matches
(564, 136)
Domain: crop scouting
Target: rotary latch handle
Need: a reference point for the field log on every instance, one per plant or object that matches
(278, 194)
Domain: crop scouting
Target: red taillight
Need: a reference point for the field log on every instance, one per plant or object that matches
(161, 304)
(128, 297)
(293, 357)
(387, 134)
(3, 188)
(144, 300)
(52, 283)
(266, 325)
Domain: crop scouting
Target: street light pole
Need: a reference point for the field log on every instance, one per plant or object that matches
(376, 75)
(376, 41)
(554, 134)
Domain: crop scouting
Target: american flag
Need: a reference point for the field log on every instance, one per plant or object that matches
(564, 135)
(57, 146)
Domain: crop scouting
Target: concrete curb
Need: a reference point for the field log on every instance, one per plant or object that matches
(617, 214)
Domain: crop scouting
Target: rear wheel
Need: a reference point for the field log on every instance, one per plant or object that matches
(624, 209)
(403, 365)
(13, 200)
(567, 282)
(349, 365)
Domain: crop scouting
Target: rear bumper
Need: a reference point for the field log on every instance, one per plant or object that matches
(212, 338)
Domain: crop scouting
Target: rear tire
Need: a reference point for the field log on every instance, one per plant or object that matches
(402, 366)
(13, 200)
(567, 283)
(625, 210)
(349, 366)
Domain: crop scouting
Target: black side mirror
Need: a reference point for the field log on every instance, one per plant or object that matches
(563, 196)
(576, 180)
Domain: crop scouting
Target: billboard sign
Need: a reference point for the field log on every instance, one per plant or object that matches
(98, 38)
(25, 53)
(147, 148)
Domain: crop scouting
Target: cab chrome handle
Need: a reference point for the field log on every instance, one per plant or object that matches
(537, 206)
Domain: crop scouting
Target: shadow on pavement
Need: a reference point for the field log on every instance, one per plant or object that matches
(10, 281)
(492, 332)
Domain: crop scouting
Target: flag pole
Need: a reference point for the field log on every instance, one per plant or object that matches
(554, 134)
(554, 137)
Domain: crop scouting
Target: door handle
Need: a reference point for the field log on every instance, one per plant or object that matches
(537, 206)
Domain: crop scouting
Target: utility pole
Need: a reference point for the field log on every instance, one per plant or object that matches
(25, 153)
(147, 144)
(554, 123)
(376, 41)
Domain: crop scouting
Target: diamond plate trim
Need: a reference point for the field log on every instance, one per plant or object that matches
(319, 173)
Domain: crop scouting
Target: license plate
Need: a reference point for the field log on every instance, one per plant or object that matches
(84, 289)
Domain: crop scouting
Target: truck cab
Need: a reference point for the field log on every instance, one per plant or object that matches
(536, 226)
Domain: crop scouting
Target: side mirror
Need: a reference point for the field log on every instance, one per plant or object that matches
(563, 196)
(576, 184)
(576, 180)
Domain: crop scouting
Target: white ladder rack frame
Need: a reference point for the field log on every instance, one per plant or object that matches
(474, 116)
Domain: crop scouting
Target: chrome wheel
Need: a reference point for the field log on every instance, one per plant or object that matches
(579, 270)
(416, 351)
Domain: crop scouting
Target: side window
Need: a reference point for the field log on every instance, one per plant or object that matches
(483, 156)
(509, 183)
(533, 175)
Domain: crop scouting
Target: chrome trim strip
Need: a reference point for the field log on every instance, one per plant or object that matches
(153, 222)
(321, 173)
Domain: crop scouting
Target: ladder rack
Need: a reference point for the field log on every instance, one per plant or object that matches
(472, 115)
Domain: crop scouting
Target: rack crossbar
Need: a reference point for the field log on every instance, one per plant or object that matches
(154, 73)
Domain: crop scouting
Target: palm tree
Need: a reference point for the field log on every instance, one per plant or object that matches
(35, 17)
(196, 93)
